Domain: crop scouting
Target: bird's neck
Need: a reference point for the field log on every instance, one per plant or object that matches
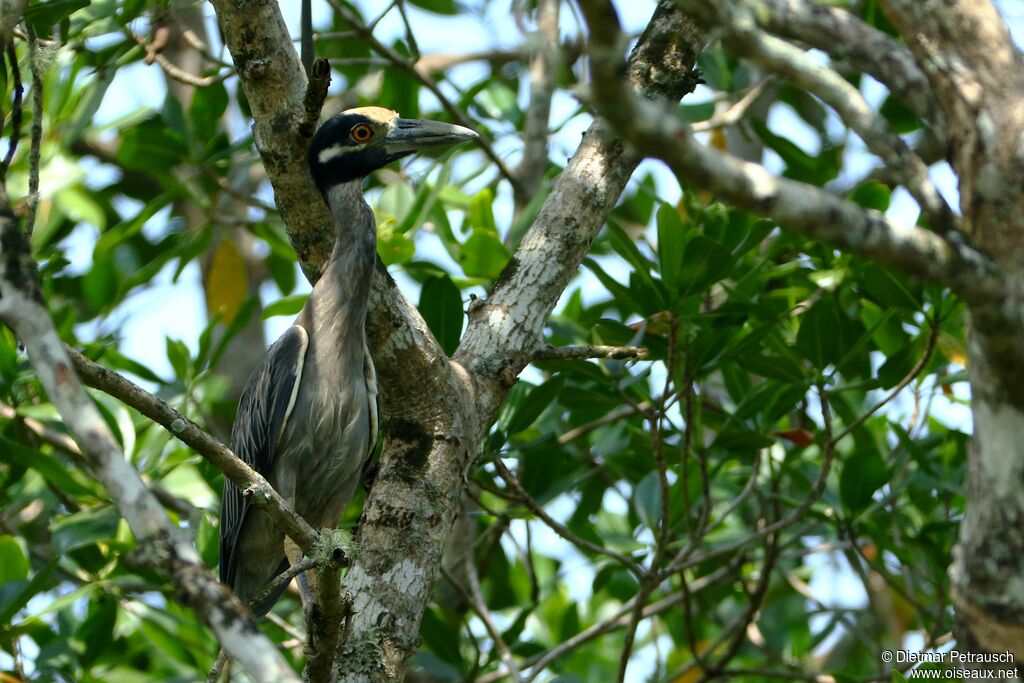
(342, 291)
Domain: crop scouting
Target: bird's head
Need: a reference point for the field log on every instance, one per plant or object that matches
(357, 142)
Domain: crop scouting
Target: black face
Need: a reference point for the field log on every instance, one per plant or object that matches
(357, 142)
(349, 147)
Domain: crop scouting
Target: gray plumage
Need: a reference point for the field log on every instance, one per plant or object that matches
(307, 418)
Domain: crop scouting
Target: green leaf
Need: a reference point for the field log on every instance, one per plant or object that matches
(647, 499)
(825, 333)
(179, 356)
(447, 7)
(890, 288)
(483, 255)
(289, 305)
(864, 472)
(96, 631)
(898, 365)
(441, 307)
(902, 119)
(52, 470)
(702, 111)
(872, 195)
(207, 108)
(705, 262)
(395, 201)
(184, 481)
(99, 285)
(13, 562)
(393, 247)
(481, 211)
(84, 528)
(79, 206)
(535, 403)
(45, 15)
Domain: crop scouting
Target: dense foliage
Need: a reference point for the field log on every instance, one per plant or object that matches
(789, 455)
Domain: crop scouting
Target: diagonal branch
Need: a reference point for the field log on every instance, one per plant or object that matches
(158, 542)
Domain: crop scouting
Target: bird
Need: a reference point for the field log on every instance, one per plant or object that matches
(307, 418)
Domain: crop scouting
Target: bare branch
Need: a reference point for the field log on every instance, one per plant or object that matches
(323, 621)
(158, 542)
(316, 93)
(592, 351)
(176, 72)
(504, 330)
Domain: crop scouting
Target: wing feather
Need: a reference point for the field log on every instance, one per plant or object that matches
(263, 410)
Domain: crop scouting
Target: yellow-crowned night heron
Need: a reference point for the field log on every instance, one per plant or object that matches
(307, 418)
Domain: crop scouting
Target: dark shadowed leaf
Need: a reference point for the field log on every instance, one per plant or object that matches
(441, 306)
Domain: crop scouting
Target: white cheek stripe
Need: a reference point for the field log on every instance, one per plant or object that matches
(331, 152)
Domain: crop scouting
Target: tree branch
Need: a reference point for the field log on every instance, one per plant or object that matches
(158, 543)
(592, 351)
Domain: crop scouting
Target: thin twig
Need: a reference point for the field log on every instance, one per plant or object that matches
(218, 667)
(316, 93)
(901, 385)
(619, 619)
(179, 74)
(615, 415)
(282, 579)
(474, 598)
(559, 528)
(682, 561)
(735, 112)
(543, 68)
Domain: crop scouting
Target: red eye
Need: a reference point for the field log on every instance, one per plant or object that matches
(362, 133)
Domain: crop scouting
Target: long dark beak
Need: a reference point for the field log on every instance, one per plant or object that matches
(411, 135)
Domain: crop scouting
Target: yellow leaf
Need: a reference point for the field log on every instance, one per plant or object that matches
(718, 139)
(227, 283)
(952, 348)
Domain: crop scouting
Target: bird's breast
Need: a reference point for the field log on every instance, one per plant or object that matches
(331, 444)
